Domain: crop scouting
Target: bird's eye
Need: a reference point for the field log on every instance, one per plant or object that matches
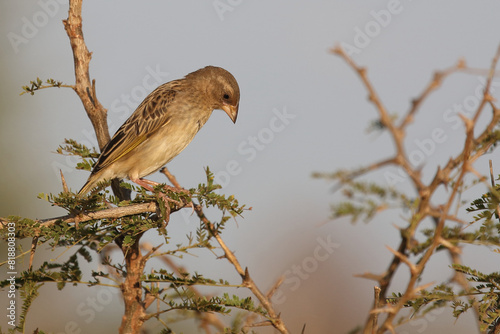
(226, 96)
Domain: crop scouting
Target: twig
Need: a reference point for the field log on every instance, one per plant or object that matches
(493, 186)
(206, 318)
(434, 84)
(250, 320)
(170, 177)
(63, 181)
(376, 305)
(34, 243)
(397, 133)
(245, 276)
(492, 178)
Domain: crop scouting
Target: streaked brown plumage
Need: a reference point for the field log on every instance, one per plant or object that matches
(164, 124)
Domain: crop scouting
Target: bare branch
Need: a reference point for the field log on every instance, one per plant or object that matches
(453, 172)
(95, 111)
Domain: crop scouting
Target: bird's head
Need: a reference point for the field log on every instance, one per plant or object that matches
(221, 87)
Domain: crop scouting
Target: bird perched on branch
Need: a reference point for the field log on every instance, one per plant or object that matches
(164, 124)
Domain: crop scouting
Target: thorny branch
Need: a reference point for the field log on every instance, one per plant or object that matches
(275, 319)
(206, 319)
(83, 86)
(474, 147)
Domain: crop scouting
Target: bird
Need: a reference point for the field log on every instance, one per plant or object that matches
(164, 124)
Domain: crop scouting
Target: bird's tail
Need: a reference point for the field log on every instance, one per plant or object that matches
(91, 183)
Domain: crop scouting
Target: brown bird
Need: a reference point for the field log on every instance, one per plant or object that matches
(164, 124)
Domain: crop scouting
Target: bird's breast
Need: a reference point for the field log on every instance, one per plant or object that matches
(164, 145)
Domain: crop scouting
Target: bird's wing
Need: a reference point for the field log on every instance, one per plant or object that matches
(149, 116)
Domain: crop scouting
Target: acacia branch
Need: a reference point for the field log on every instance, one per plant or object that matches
(111, 213)
(245, 276)
(469, 146)
(117, 212)
(206, 319)
(453, 172)
(396, 133)
(433, 85)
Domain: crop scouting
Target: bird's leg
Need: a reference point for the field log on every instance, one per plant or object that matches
(173, 189)
(148, 184)
(176, 184)
(166, 186)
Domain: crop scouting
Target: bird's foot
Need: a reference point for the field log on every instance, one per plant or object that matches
(148, 184)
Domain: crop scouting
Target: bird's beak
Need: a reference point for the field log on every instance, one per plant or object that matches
(231, 111)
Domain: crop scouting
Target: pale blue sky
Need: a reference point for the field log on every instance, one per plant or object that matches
(279, 53)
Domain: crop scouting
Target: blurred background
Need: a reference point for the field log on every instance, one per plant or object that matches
(302, 110)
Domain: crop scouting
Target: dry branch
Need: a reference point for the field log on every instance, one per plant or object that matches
(454, 172)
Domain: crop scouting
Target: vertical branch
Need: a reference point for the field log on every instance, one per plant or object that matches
(376, 305)
(133, 319)
(85, 90)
